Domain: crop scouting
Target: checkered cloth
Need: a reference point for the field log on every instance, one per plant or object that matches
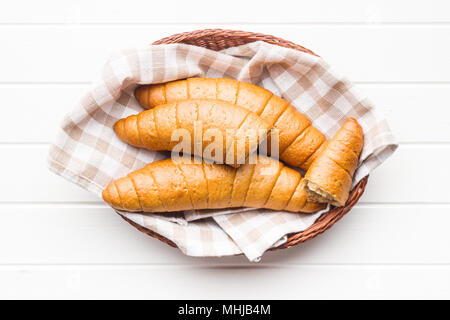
(88, 153)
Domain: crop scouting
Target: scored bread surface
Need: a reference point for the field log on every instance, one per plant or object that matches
(184, 183)
(204, 120)
(329, 178)
(295, 129)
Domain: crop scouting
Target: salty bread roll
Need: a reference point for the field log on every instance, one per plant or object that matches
(234, 131)
(299, 141)
(184, 183)
(329, 178)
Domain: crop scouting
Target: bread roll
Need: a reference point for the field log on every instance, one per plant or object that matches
(234, 131)
(181, 183)
(329, 178)
(299, 141)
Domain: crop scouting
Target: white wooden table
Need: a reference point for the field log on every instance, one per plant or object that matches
(58, 241)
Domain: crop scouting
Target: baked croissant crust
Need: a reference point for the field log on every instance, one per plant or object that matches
(329, 178)
(185, 183)
(233, 131)
(299, 141)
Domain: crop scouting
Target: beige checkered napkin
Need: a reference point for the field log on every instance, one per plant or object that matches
(88, 153)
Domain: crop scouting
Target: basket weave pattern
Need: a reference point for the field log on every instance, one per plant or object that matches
(219, 39)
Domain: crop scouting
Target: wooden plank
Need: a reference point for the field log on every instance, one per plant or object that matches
(410, 108)
(41, 108)
(86, 235)
(168, 282)
(414, 174)
(363, 53)
(60, 241)
(53, 11)
(25, 178)
(417, 113)
(399, 180)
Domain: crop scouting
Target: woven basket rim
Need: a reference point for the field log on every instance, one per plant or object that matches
(218, 39)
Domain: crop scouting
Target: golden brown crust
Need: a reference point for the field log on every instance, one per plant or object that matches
(150, 97)
(195, 180)
(311, 206)
(227, 90)
(217, 120)
(290, 125)
(220, 184)
(303, 147)
(264, 177)
(148, 133)
(298, 197)
(165, 117)
(111, 196)
(147, 190)
(176, 91)
(329, 178)
(127, 194)
(174, 185)
(130, 128)
(202, 88)
(252, 97)
(343, 156)
(314, 156)
(283, 189)
(212, 121)
(275, 111)
(299, 200)
(246, 139)
(241, 183)
(157, 96)
(171, 186)
(351, 135)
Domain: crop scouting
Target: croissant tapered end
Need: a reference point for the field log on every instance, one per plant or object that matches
(310, 207)
(353, 133)
(352, 123)
(141, 94)
(121, 194)
(127, 131)
(150, 96)
(177, 185)
(119, 129)
(111, 196)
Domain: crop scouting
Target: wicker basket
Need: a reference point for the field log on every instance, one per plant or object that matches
(218, 39)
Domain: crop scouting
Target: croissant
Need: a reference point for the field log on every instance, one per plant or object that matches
(299, 141)
(329, 178)
(235, 130)
(182, 183)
